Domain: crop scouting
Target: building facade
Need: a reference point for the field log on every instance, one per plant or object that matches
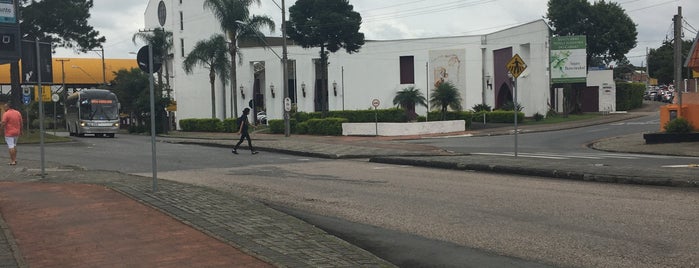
(474, 64)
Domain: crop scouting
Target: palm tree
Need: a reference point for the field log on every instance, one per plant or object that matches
(446, 95)
(407, 98)
(236, 22)
(211, 54)
(161, 40)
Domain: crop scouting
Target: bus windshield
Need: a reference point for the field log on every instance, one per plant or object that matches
(99, 109)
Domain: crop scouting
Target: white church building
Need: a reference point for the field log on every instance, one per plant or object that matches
(474, 64)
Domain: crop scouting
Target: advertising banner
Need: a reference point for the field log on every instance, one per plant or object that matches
(7, 11)
(568, 59)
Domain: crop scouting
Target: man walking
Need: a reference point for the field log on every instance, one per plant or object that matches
(243, 131)
(12, 123)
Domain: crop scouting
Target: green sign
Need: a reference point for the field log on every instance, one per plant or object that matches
(568, 59)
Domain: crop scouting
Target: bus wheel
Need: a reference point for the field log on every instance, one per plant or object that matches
(110, 135)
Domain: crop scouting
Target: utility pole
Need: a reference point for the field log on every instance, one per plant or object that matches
(285, 70)
(678, 57)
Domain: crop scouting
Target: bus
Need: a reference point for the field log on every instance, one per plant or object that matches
(92, 111)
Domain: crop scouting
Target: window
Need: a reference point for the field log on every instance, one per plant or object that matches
(182, 46)
(181, 21)
(407, 70)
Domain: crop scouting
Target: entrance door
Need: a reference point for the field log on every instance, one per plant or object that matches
(321, 89)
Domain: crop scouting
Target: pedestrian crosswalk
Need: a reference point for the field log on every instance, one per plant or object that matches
(564, 156)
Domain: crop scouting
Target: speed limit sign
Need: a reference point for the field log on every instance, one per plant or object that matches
(375, 103)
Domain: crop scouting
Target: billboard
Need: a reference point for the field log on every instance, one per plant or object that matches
(568, 59)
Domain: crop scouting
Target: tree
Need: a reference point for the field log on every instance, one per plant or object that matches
(131, 87)
(407, 98)
(445, 96)
(236, 22)
(162, 43)
(610, 31)
(128, 85)
(211, 54)
(61, 22)
(661, 61)
(328, 24)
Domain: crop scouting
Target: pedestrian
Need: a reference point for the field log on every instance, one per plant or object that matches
(243, 131)
(12, 123)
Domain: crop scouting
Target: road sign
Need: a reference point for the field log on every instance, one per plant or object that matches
(516, 66)
(26, 99)
(375, 103)
(55, 97)
(143, 60)
(287, 104)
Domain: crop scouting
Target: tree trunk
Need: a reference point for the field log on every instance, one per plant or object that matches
(212, 81)
(234, 80)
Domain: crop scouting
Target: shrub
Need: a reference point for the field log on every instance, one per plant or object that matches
(230, 125)
(203, 125)
(510, 106)
(500, 116)
(482, 108)
(327, 126)
(276, 126)
(629, 95)
(679, 125)
(538, 117)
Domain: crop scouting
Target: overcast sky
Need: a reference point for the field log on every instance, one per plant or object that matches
(396, 19)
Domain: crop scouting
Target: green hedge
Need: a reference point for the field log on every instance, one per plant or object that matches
(500, 116)
(276, 126)
(629, 95)
(327, 126)
(202, 125)
(359, 116)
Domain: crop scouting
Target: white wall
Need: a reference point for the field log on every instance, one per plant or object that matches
(372, 73)
(604, 79)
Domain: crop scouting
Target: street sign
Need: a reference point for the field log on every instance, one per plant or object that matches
(26, 99)
(55, 97)
(143, 60)
(287, 104)
(375, 103)
(516, 66)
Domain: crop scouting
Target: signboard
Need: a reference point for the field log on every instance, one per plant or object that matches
(46, 90)
(516, 66)
(287, 104)
(375, 103)
(143, 58)
(568, 59)
(7, 12)
(29, 68)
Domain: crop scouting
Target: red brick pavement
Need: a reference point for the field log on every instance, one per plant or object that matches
(78, 225)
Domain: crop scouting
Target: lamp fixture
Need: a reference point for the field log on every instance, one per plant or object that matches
(303, 89)
(242, 92)
(271, 88)
(488, 83)
(335, 88)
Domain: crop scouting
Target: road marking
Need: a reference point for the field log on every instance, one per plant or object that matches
(682, 166)
(547, 155)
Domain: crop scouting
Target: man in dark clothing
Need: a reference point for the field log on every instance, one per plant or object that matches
(243, 131)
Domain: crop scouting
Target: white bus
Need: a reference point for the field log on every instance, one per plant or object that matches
(92, 111)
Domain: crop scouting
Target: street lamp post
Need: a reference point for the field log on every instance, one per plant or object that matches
(286, 72)
(104, 67)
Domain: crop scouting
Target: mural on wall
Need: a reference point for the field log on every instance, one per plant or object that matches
(449, 65)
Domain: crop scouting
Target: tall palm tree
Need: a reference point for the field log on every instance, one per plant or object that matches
(236, 22)
(161, 40)
(407, 98)
(445, 96)
(211, 54)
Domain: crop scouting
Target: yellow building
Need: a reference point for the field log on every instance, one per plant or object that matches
(79, 71)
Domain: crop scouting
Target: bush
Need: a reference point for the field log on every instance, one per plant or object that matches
(538, 117)
(327, 126)
(230, 125)
(276, 126)
(482, 108)
(679, 125)
(203, 125)
(629, 95)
